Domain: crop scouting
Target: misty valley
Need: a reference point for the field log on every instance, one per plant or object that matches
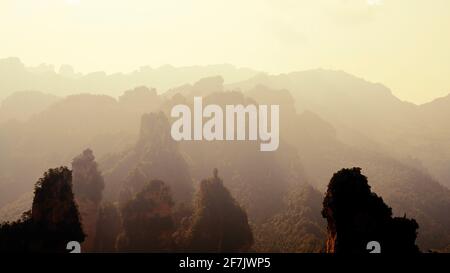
(237, 117)
(331, 163)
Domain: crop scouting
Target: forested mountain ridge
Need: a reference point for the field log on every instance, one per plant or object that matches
(318, 137)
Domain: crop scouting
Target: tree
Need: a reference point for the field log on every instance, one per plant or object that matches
(356, 216)
(147, 220)
(219, 224)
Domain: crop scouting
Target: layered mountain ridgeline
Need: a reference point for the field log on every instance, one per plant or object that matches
(23, 105)
(434, 151)
(357, 216)
(259, 181)
(65, 81)
(322, 153)
(314, 145)
(57, 134)
(154, 156)
(405, 184)
(368, 116)
(52, 222)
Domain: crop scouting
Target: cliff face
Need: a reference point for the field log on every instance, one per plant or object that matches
(89, 212)
(88, 186)
(53, 203)
(53, 221)
(155, 156)
(357, 216)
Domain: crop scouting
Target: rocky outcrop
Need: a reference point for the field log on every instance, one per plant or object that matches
(219, 224)
(52, 222)
(88, 186)
(155, 156)
(357, 216)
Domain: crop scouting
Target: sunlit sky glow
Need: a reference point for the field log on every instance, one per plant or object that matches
(403, 44)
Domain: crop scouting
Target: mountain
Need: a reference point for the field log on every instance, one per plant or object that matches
(55, 135)
(368, 116)
(329, 120)
(17, 77)
(23, 105)
(156, 155)
(435, 149)
(219, 224)
(260, 182)
(357, 216)
(400, 182)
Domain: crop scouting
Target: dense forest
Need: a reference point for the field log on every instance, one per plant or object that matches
(355, 164)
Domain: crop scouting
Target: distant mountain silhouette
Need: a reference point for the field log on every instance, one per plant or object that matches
(367, 115)
(20, 106)
(156, 156)
(17, 77)
(329, 120)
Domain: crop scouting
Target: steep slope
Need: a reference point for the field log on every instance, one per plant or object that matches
(52, 222)
(260, 181)
(88, 187)
(366, 115)
(406, 186)
(156, 155)
(219, 224)
(297, 228)
(147, 220)
(57, 134)
(22, 105)
(357, 216)
(17, 77)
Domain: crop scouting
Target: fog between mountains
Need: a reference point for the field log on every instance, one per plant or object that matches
(235, 123)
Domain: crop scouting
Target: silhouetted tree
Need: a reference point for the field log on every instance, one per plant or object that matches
(219, 224)
(356, 216)
(147, 220)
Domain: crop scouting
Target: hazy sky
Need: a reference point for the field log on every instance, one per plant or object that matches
(404, 44)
